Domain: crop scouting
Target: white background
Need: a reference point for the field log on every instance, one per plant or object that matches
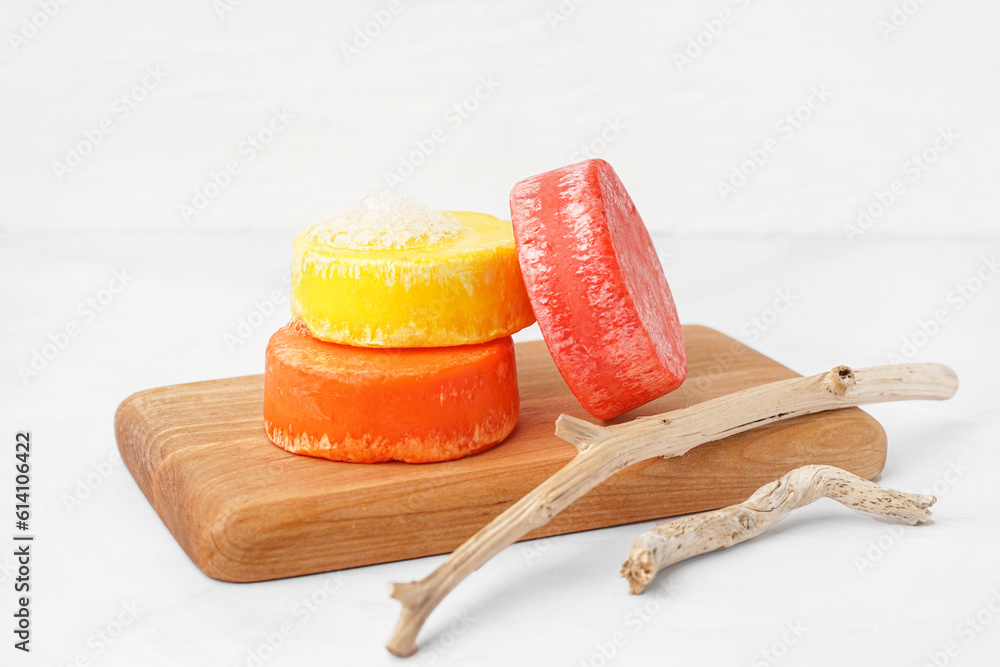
(864, 591)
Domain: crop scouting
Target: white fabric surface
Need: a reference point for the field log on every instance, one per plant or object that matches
(543, 602)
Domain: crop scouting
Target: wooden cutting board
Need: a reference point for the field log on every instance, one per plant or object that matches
(245, 510)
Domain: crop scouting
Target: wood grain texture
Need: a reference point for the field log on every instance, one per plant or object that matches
(245, 510)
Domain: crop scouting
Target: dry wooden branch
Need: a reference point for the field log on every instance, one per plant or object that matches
(694, 535)
(604, 451)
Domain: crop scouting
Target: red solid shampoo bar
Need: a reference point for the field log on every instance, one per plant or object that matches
(597, 288)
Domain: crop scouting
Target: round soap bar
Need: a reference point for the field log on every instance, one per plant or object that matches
(369, 405)
(598, 290)
(393, 273)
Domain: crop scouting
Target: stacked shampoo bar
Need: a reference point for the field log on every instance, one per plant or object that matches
(399, 346)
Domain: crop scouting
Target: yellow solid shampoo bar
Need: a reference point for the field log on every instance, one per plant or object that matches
(393, 273)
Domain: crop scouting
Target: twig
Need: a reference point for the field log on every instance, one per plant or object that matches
(604, 451)
(694, 535)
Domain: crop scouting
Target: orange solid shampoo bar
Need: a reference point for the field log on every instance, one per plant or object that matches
(368, 405)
